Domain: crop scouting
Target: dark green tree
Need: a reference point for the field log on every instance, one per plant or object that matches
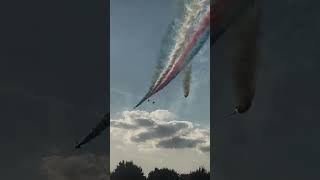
(127, 171)
(163, 174)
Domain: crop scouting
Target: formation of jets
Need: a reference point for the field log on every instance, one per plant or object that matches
(152, 101)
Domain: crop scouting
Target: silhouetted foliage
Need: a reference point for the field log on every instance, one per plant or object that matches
(199, 174)
(163, 174)
(127, 171)
(130, 171)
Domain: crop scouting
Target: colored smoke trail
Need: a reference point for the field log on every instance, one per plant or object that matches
(193, 13)
(187, 80)
(198, 39)
(166, 45)
(187, 37)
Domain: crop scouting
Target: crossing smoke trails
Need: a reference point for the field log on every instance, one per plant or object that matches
(188, 36)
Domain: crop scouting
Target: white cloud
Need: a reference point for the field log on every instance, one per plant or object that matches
(159, 129)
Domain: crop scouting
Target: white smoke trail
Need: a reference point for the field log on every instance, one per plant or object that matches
(187, 80)
(192, 12)
(187, 40)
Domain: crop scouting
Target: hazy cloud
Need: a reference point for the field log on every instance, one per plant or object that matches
(164, 130)
(77, 167)
(205, 148)
(179, 142)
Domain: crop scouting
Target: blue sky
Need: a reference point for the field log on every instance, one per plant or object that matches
(137, 28)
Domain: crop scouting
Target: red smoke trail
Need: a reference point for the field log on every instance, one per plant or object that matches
(181, 61)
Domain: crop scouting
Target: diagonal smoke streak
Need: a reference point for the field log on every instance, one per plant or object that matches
(193, 11)
(187, 80)
(188, 38)
(192, 48)
(167, 45)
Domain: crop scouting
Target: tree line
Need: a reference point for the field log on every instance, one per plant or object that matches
(127, 170)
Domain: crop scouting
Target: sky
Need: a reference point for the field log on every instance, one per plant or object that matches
(137, 29)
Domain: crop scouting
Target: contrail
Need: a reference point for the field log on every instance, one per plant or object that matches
(192, 48)
(188, 37)
(192, 13)
(167, 44)
(187, 80)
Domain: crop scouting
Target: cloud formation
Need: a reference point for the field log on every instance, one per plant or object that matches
(159, 129)
(77, 167)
